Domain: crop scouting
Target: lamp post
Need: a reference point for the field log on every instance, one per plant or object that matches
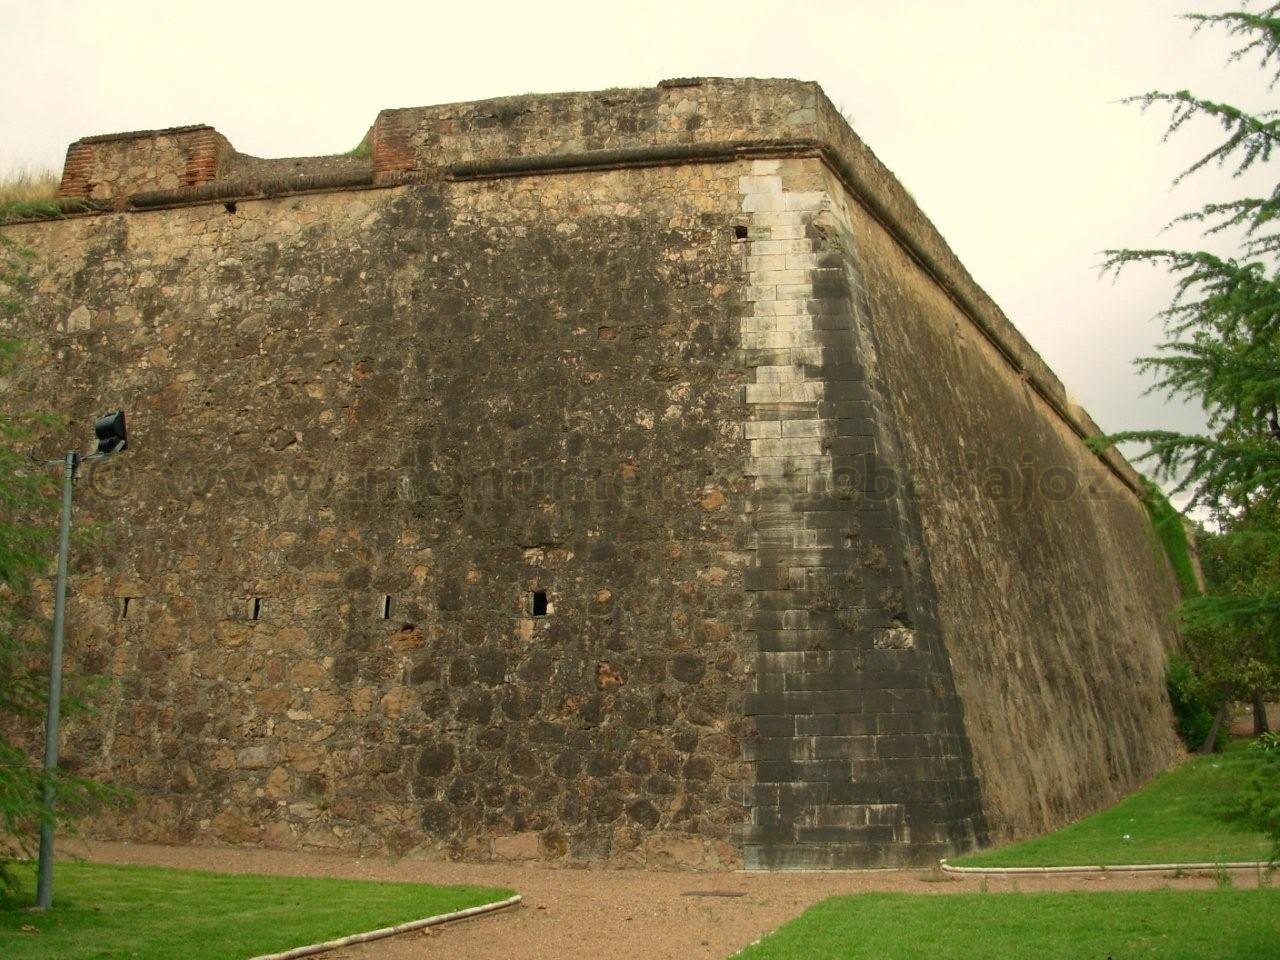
(112, 438)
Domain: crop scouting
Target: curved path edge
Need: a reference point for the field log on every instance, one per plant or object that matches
(407, 927)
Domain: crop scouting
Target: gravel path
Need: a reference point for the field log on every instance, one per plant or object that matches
(620, 914)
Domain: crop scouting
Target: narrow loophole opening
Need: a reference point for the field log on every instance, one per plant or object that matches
(386, 606)
(255, 609)
(124, 607)
(539, 603)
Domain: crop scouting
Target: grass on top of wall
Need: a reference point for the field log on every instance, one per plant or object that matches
(27, 194)
(104, 912)
(25, 185)
(1155, 925)
(1179, 817)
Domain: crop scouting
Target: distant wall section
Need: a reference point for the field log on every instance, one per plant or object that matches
(1054, 601)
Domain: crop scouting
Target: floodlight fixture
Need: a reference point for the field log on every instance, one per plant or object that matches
(111, 433)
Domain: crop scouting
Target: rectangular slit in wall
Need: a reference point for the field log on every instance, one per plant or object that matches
(539, 603)
(385, 609)
(255, 608)
(124, 607)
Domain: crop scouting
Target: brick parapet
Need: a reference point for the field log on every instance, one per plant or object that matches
(112, 167)
(687, 113)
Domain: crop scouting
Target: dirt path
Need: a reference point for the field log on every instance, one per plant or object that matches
(620, 914)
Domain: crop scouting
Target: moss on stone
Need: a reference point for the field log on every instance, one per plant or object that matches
(1171, 532)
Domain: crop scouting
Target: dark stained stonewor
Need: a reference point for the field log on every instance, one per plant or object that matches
(862, 758)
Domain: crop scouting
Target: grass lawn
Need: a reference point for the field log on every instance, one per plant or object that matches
(147, 913)
(1177, 818)
(1155, 925)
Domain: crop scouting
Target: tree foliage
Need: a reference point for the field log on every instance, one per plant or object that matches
(1242, 567)
(1195, 700)
(1222, 350)
(1222, 345)
(27, 518)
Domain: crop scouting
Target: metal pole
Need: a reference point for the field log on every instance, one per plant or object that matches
(44, 881)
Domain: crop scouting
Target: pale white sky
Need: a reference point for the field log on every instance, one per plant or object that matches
(999, 115)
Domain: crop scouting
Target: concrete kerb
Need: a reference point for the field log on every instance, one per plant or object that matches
(1116, 868)
(408, 927)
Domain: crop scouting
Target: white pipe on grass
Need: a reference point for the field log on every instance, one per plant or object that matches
(1124, 868)
(407, 927)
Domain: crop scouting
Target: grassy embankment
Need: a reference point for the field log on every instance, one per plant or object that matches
(1157, 925)
(1180, 817)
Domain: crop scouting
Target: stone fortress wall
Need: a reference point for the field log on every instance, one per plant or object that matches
(590, 477)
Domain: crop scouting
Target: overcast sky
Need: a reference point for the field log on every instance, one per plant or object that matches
(1000, 116)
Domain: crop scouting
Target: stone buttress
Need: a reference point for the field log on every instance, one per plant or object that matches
(861, 758)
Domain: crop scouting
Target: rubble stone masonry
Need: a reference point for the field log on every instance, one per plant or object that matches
(630, 477)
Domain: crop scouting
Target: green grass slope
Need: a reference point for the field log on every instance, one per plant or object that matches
(146, 913)
(1155, 925)
(1177, 818)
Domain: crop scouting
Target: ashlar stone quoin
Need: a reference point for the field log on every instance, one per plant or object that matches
(631, 476)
